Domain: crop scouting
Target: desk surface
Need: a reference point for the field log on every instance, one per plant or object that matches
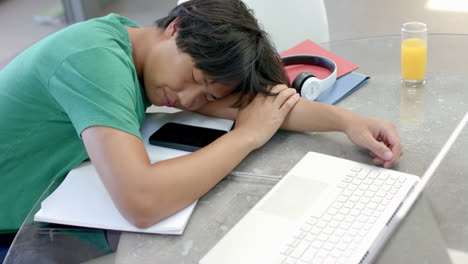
(425, 118)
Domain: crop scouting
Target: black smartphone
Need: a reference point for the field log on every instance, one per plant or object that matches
(184, 137)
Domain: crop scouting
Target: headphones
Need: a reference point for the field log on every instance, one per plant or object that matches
(306, 84)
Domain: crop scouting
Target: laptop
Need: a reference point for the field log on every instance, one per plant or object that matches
(325, 210)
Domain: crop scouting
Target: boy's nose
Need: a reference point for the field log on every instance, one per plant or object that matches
(192, 98)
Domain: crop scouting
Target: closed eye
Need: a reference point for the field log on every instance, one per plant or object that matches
(193, 77)
(209, 96)
(215, 98)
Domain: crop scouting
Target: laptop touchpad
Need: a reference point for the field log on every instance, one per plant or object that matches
(293, 197)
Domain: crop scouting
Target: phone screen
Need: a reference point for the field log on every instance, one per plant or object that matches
(184, 137)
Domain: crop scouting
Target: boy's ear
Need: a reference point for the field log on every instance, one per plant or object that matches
(171, 29)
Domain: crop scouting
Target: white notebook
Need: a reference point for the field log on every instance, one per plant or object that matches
(82, 200)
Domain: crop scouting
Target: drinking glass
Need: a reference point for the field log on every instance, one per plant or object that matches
(413, 53)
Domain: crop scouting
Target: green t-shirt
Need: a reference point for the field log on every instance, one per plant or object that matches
(79, 77)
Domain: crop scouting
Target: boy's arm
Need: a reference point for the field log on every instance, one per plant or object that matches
(305, 116)
(146, 193)
(379, 136)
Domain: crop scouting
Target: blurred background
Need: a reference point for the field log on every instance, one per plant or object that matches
(24, 22)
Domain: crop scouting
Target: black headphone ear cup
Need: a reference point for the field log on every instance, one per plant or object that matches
(300, 79)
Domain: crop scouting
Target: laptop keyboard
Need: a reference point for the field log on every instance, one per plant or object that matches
(333, 237)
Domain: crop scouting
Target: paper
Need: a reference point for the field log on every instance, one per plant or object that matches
(308, 47)
(82, 200)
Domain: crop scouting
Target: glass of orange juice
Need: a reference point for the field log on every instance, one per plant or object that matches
(413, 53)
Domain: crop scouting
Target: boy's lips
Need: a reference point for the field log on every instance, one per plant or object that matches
(167, 101)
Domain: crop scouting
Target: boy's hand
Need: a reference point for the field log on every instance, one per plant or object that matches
(261, 118)
(379, 136)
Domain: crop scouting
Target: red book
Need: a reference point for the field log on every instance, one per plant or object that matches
(308, 47)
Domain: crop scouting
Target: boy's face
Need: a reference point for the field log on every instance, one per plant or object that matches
(171, 79)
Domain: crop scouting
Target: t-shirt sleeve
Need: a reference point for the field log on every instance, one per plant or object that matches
(96, 87)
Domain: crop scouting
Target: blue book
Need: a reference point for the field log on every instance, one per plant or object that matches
(344, 86)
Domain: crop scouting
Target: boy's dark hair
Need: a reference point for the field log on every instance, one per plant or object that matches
(226, 42)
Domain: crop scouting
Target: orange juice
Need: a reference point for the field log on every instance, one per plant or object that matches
(413, 59)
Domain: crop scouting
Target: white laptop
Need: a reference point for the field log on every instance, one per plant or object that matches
(325, 210)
